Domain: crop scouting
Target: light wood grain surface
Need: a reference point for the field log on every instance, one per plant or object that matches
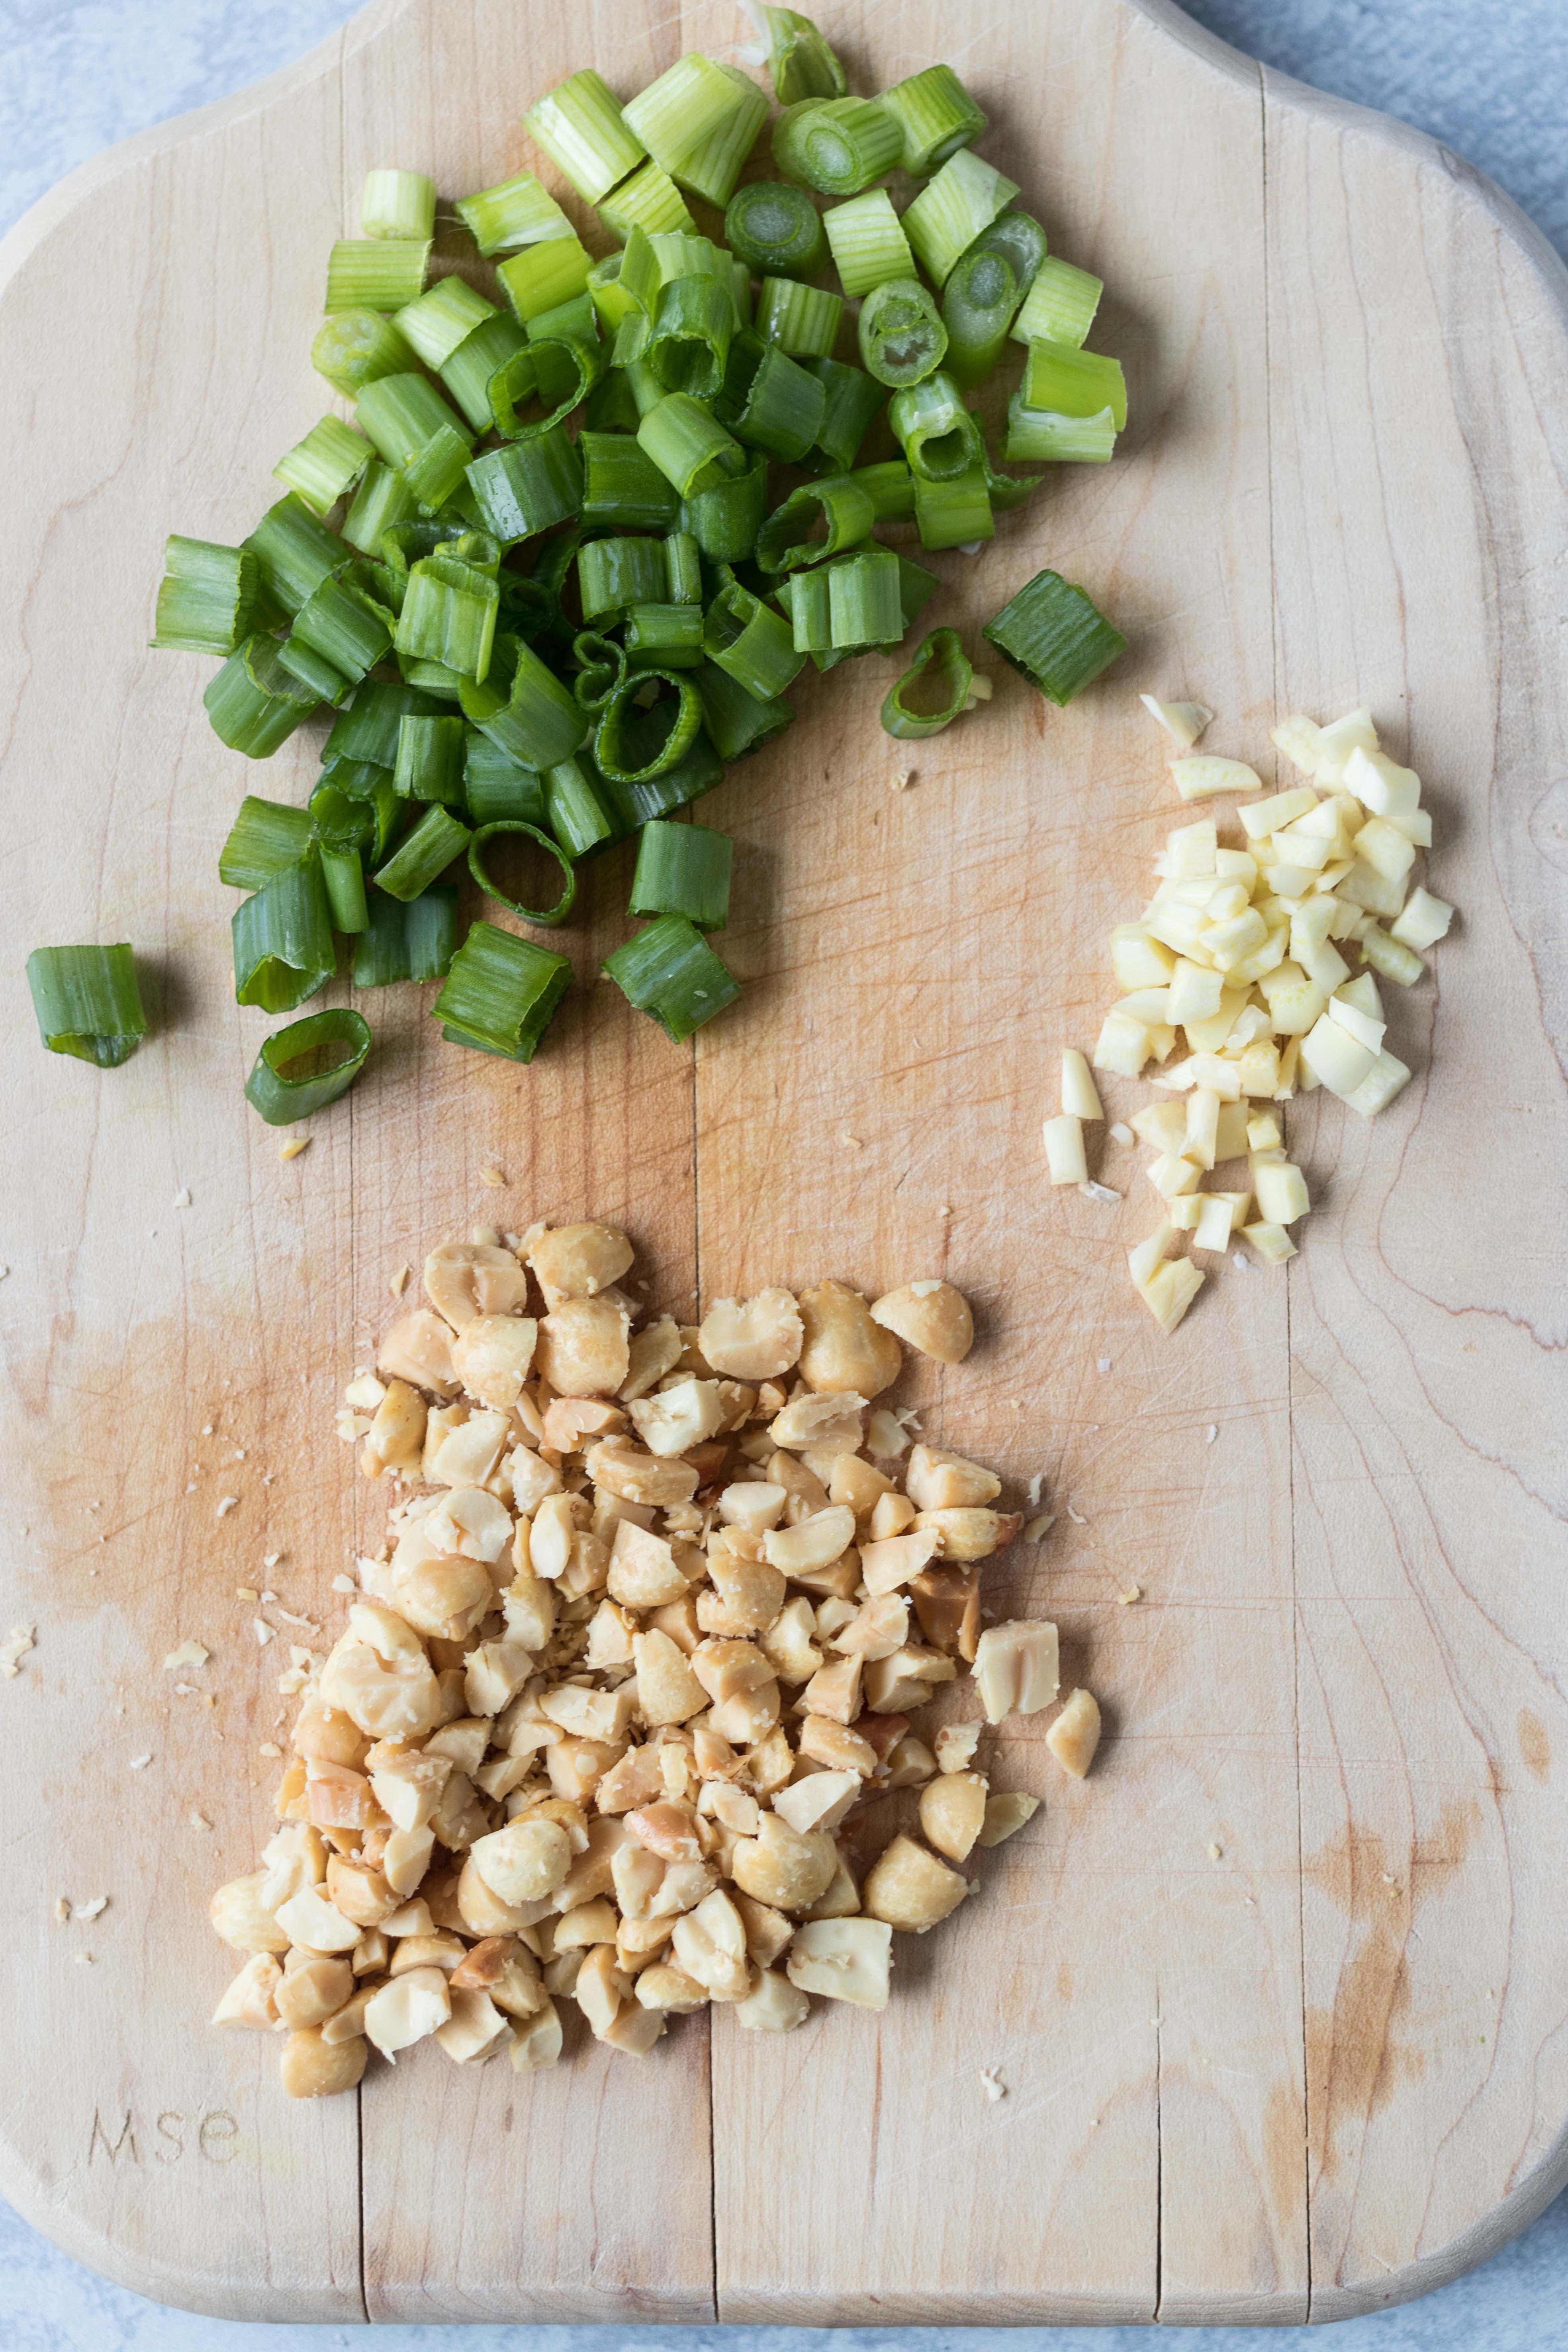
(1328, 2069)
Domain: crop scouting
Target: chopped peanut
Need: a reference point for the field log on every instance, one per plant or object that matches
(1075, 1735)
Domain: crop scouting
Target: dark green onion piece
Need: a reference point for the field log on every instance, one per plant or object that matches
(698, 770)
(345, 626)
(603, 668)
(803, 320)
(480, 356)
(265, 840)
(336, 821)
(295, 551)
(424, 854)
(690, 448)
(575, 810)
(917, 586)
(342, 876)
(902, 335)
(942, 653)
(682, 568)
(500, 992)
(749, 641)
(725, 521)
(449, 615)
(254, 703)
(936, 116)
(956, 512)
(368, 729)
(854, 402)
(281, 1099)
(863, 606)
(836, 145)
(208, 597)
(610, 407)
(688, 347)
(801, 60)
(735, 720)
(356, 347)
(430, 759)
(672, 974)
(312, 670)
(89, 1003)
(622, 486)
(621, 750)
(283, 950)
(496, 787)
(683, 869)
(614, 573)
(769, 401)
(664, 636)
(528, 486)
(776, 229)
(1055, 636)
(415, 940)
(375, 273)
(479, 867)
(382, 500)
(979, 304)
(889, 487)
(839, 503)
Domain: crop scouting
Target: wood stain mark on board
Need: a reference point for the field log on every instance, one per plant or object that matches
(1534, 1746)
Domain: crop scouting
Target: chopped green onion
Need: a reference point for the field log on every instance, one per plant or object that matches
(936, 117)
(610, 291)
(672, 974)
(675, 112)
(710, 165)
(891, 487)
(689, 446)
(863, 606)
(1034, 433)
(345, 626)
(933, 429)
(89, 1003)
(855, 401)
(295, 551)
(1073, 382)
(735, 719)
(523, 707)
(1019, 239)
(844, 509)
(581, 130)
(327, 462)
(449, 615)
(515, 212)
(650, 200)
(496, 787)
(254, 703)
(613, 574)
(802, 62)
(664, 636)
(574, 320)
(542, 275)
(682, 568)
(403, 415)
(314, 669)
(901, 336)
(338, 821)
(575, 811)
(437, 323)
(769, 401)
(979, 304)
(803, 320)
(776, 229)
(283, 950)
(407, 939)
(951, 674)
(208, 597)
(952, 210)
(869, 242)
(375, 273)
(528, 485)
(1059, 306)
(743, 636)
(468, 372)
(917, 586)
(622, 751)
(683, 869)
(479, 867)
(432, 678)
(342, 876)
(265, 840)
(1055, 636)
(356, 347)
(398, 204)
(603, 668)
(500, 992)
(957, 512)
(368, 730)
(610, 407)
(725, 521)
(282, 1100)
(698, 769)
(424, 854)
(690, 343)
(836, 145)
(740, 292)
(435, 473)
(430, 759)
(382, 499)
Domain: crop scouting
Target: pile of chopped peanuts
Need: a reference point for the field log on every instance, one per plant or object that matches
(634, 1673)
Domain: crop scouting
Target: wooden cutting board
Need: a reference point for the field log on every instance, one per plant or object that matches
(1280, 1995)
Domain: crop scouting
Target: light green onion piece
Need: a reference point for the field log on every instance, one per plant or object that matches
(664, 636)
(382, 500)
(868, 242)
(496, 787)
(801, 319)
(500, 992)
(1059, 306)
(979, 303)
(901, 336)
(711, 166)
(801, 60)
(583, 131)
(403, 415)
(1074, 383)
(1019, 239)
(863, 606)
(1044, 432)
(523, 707)
(838, 504)
(689, 346)
(435, 473)
(776, 229)
(683, 869)
(769, 401)
(612, 299)
(89, 1003)
(725, 521)
(575, 811)
(557, 374)
(345, 625)
(936, 116)
(265, 840)
(855, 401)
(957, 512)
(407, 939)
(356, 347)
(677, 111)
(295, 551)
(398, 204)
(367, 732)
(430, 754)
(342, 876)
(622, 486)
(631, 746)
(836, 145)
(690, 448)
(890, 486)
(951, 211)
(512, 827)
(254, 703)
(944, 694)
(449, 615)
(434, 325)
(424, 854)
(280, 1099)
(735, 720)
(1055, 636)
(746, 638)
(468, 372)
(527, 486)
(208, 597)
(516, 211)
(283, 950)
(672, 974)
(315, 670)
(327, 462)
(933, 429)
(375, 273)
(650, 200)
(544, 275)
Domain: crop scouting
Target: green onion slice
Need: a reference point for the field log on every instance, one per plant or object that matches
(500, 992)
(603, 668)
(936, 117)
(979, 304)
(89, 1003)
(412, 940)
(342, 876)
(255, 703)
(435, 324)
(945, 692)
(1044, 432)
(735, 720)
(688, 347)
(578, 808)
(955, 512)
(650, 200)
(430, 754)
(683, 568)
(325, 464)
(208, 597)
(952, 210)
(265, 840)
(691, 450)
(383, 500)
(449, 615)
(838, 503)
(283, 950)
(854, 402)
(424, 854)
(280, 1098)
(581, 128)
(683, 869)
(803, 320)
(622, 486)
(777, 230)
(1054, 636)
(614, 573)
(375, 273)
(294, 550)
(749, 641)
(621, 749)
(1059, 306)
(356, 347)
(663, 635)
(523, 707)
(496, 787)
(528, 486)
(516, 211)
(398, 205)
(869, 242)
(769, 401)
(479, 867)
(836, 145)
(468, 372)
(368, 729)
(672, 974)
(725, 521)
(935, 431)
(863, 606)
(900, 332)
(800, 58)
(712, 165)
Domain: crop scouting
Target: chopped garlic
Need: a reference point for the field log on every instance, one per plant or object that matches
(14, 1648)
(1065, 1160)
(189, 1653)
(1080, 1096)
(1183, 722)
(1200, 779)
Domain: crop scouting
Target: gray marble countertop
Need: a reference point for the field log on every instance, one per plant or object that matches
(1491, 81)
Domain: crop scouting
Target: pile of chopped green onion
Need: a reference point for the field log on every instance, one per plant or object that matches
(587, 528)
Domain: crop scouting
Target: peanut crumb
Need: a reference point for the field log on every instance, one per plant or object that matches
(262, 1631)
(850, 1142)
(293, 1148)
(62, 1908)
(93, 1910)
(82, 1959)
(198, 1820)
(1211, 1433)
(270, 1559)
(140, 1763)
(14, 1648)
(245, 1592)
(398, 1282)
(1217, 1853)
(901, 779)
(1102, 1363)
(1134, 1592)
(1120, 1132)
(344, 1584)
(269, 1748)
(494, 1177)
(1077, 1518)
(991, 2083)
(182, 1197)
(1040, 1527)
(189, 1653)
(230, 1503)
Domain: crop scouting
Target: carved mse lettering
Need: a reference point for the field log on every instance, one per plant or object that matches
(170, 2124)
(111, 2148)
(216, 2136)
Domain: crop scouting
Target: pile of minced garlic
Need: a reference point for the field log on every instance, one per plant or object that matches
(640, 1657)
